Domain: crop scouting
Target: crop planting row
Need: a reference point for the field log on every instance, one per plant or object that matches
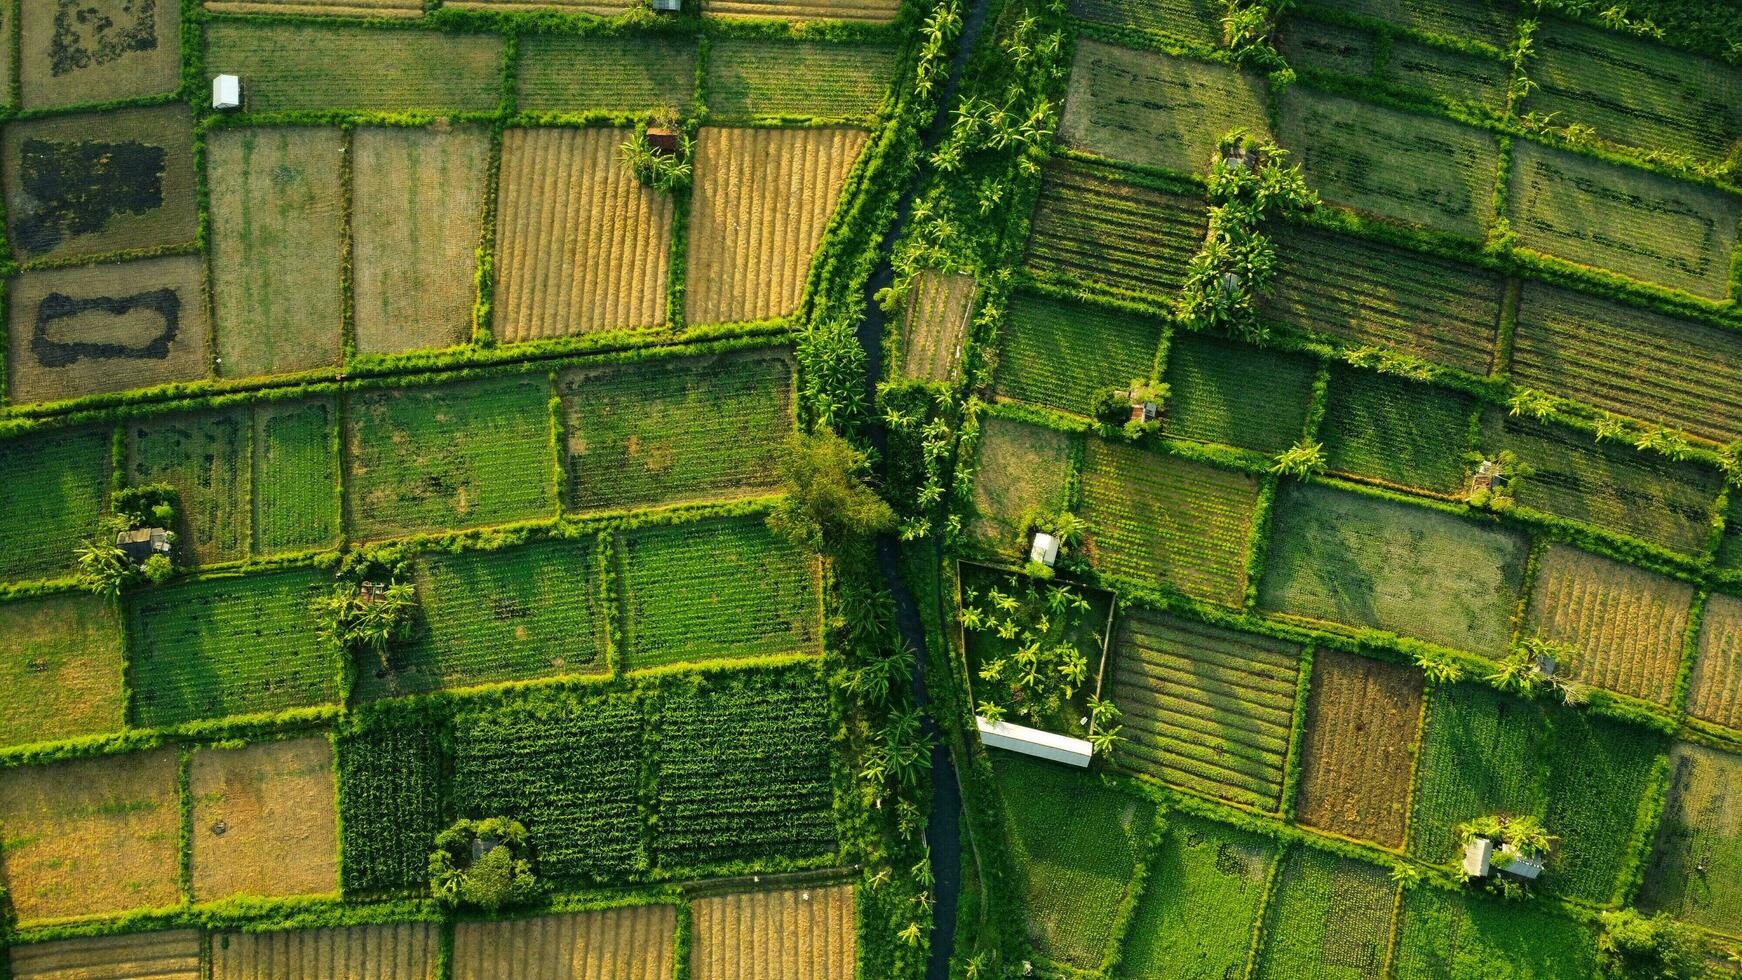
(1236, 394)
(171, 955)
(1063, 354)
(628, 943)
(1442, 72)
(939, 305)
(771, 935)
(752, 78)
(1363, 722)
(873, 11)
(1399, 432)
(1329, 917)
(390, 803)
(1470, 20)
(1198, 21)
(1625, 624)
(405, 951)
(1715, 691)
(1090, 226)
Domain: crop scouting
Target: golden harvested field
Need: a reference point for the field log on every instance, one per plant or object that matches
(582, 247)
(797, 934)
(1715, 693)
(1627, 623)
(60, 666)
(402, 951)
(939, 305)
(1362, 720)
(333, 8)
(171, 955)
(91, 836)
(876, 11)
(110, 327)
(416, 193)
(614, 944)
(762, 200)
(276, 239)
(264, 820)
(138, 54)
(599, 8)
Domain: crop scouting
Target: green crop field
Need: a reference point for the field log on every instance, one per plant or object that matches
(228, 646)
(1063, 354)
(1090, 226)
(1236, 394)
(1335, 49)
(1329, 918)
(751, 78)
(1198, 21)
(1695, 869)
(1450, 934)
(1484, 21)
(390, 802)
(1166, 521)
(206, 458)
(62, 664)
(55, 494)
(296, 474)
(1448, 73)
(1023, 471)
(1204, 708)
(569, 73)
(1201, 902)
(296, 66)
(1397, 432)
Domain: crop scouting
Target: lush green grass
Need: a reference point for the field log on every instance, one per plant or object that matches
(1350, 558)
(1023, 470)
(624, 73)
(296, 474)
(1695, 871)
(228, 646)
(205, 456)
(663, 432)
(752, 78)
(1076, 846)
(1396, 431)
(296, 66)
(57, 485)
(1448, 74)
(1236, 394)
(60, 668)
(1470, 20)
(1063, 354)
(452, 456)
(1091, 226)
(715, 589)
(1335, 49)
(487, 616)
(1330, 919)
(1199, 21)
(1447, 935)
(390, 800)
(1206, 882)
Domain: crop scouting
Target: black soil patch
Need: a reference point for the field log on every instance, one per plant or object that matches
(166, 303)
(75, 188)
(90, 32)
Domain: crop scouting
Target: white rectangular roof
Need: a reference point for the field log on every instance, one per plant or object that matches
(1035, 742)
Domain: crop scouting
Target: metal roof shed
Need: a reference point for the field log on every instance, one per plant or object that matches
(1035, 742)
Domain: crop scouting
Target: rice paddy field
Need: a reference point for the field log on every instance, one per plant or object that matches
(1692, 869)
(1363, 718)
(771, 934)
(172, 955)
(292, 66)
(407, 951)
(61, 657)
(1396, 432)
(1214, 394)
(1201, 903)
(939, 306)
(750, 79)
(1091, 226)
(55, 498)
(263, 820)
(1627, 624)
(1441, 933)
(1714, 693)
(1023, 470)
(634, 943)
(1329, 917)
(1063, 354)
(1198, 21)
(61, 65)
(572, 73)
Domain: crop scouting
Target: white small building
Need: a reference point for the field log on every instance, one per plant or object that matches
(668, 6)
(1514, 863)
(1478, 855)
(226, 92)
(1045, 549)
(1480, 859)
(1034, 741)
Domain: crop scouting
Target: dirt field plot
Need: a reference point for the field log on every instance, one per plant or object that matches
(511, 614)
(405, 951)
(1330, 919)
(877, 11)
(90, 837)
(1475, 20)
(1396, 431)
(1445, 933)
(447, 457)
(57, 489)
(103, 328)
(206, 458)
(1166, 521)
(1397, 165)
(1375, 295)
(1204, 893)
(296, 473)
(1198, 21)
(83, 51)
(935, 324)
(228, 646)
(1344, 557)
(263, 820)
(1634, 222)
(1626, 623)
(623, 944)
(171, 955)
(582, 247)
(751, 78)
(1715, 692)
(1204, 708)
(1236, 394)
(1695, 869)
(666, 431)
(276, 239)
(100, 182)
(1363, 717)
(303, 66)
(762, 200)
(1063, 354)
(799, 934)
(328, 8)
(629, 73)
(1023, 470)
(1156, 110)
(60, 666)
(1091, 227)
(416, 192)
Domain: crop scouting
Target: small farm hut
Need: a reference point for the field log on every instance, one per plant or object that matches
(141, 543)
(226, 92)
(663, 140)
(1489, 476)
(1045, 549)
(1478, 856)
(1481, 860)
(668, 6)
(1241, 157)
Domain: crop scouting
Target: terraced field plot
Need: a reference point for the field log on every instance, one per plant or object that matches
(873, 11)
(295, 473)
(1236, 394)
(752, 78)
(775, 934)
(97, 51)
(1204, 708)
(173, 955)
(57, 490)
(390, 799)
(935, 325)
(1064, 354)
(263, 820)
(1695, 868)
(1448, 74)
(206, 458)
(1634, 222)
(291, 66)
(405, 951)
(1329, 918)
(1023, 470)
(581, 246)
(1392, 164)
(1156, 110)
(1363, 717)
(1202, 899)
(1396, 432)
(328, 8)
(1474, 20)
(1198, 21)
(628, 73)
(598, 8)
(631, 943)
(61, 664)
(1627, 624)
(1335, 49)
(1444, 933)
(1166, 521)
(1344, 557)
(1090, 226)
(1715, 690)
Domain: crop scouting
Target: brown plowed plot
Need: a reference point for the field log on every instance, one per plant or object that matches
(334, 8)
(264, 821)
(939, 305)
(797, 934)
(864, 10)
(1626, 623)
(96, 50)
(762, 200)
(1204, 708)
(109, 327)
(582, 247)
(1090, 226)
(1715, 693)
(144, 956)
(1630, 361)
(91, 836)
(613, 944)
(1362, 719)
(404, 951)
(1375, 295)
(416, 214)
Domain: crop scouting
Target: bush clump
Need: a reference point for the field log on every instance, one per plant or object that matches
(482, 864)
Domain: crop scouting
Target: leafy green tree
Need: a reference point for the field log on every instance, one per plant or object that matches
(359, 616)
(828, 506)
(482, 864)
(1634, 947)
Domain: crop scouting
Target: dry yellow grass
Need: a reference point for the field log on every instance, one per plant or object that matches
(90, 837)
(614, 944)
(417, 210)
(797, 934)
(336, 8)
(82, 64)
(875, 11)
(762, 200)
(1627, 623)
(171, 955)
(1362, 720)
(403, 951)
(608, 8)
(938, 307)
(582, 247)
(1715, 694)
(264, 822)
